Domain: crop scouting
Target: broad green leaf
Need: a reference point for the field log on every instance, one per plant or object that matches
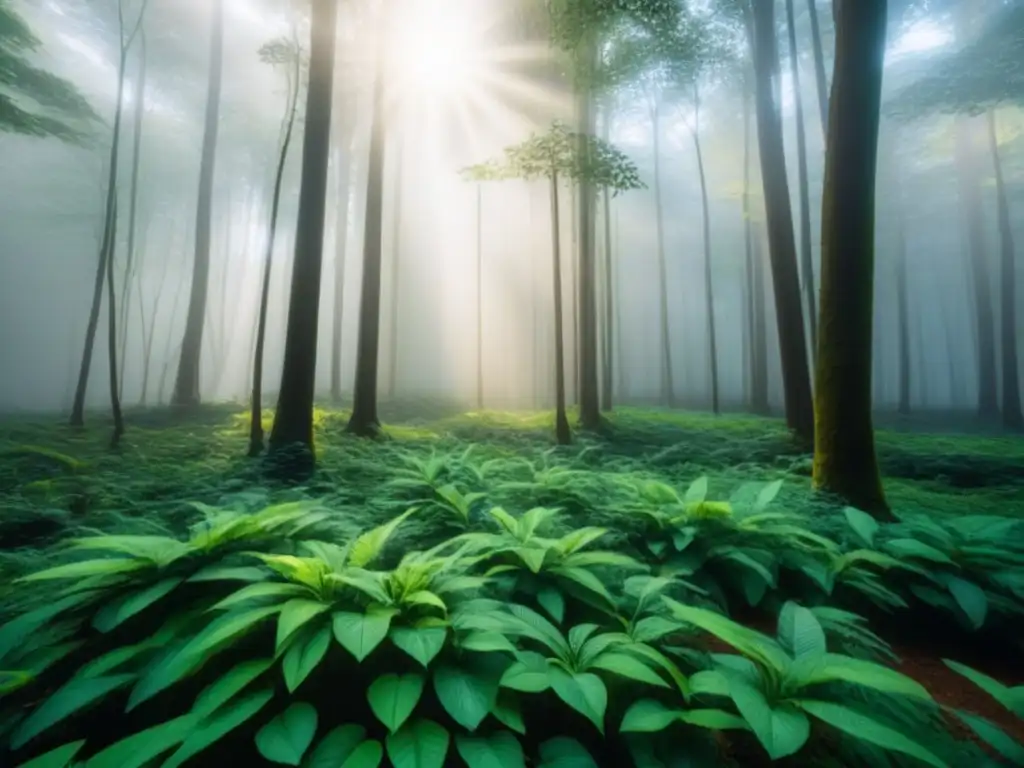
(530, 674)
(261, 591)
(394, 697)
(863, 727)
(782, 730)
(583, 691)
(14, 633)
(563, 752)
(369, 754)
(486, 641)
(868, 674)
(303, 656)
(627, 666)
(336, 747)
(1011, 698)
(286, 738)
(227, 685)
(552, 601)
(714, 719)
(418, 744)
(360, 633)
(75, 695)
(294, 615)
(508, 712)
(115, 613)
(142, 748)
(918, 549)
(212, 638)
(55, 758)
(215, 727)
(422, 643)
(467, 696)
(697, 492)
(87, 568)
(801, 632)
(971, 598)
(994, 736)
(863, 524)
(648, 716)
(499, 750)
(368, 546)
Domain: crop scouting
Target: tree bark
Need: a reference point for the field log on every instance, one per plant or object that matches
(667, 394)
(396, 271)
(845, 462)
(1012, 416)
(187, 383)
(346, 177)
(293, 420)
(820, 78)
(782, 244)
(115, 396)
(563, 433)
(364, 420)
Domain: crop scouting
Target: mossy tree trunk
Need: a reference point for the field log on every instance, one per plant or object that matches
(293, 420)
(844, 457)
(1011, 411)
(782, 243)
(187, 382)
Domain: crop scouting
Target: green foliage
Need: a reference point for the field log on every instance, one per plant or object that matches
(34, 102)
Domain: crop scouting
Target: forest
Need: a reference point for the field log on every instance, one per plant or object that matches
(511, 383)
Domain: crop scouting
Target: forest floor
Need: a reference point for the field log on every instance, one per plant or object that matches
(56, 481)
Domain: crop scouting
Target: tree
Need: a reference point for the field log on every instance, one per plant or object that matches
(293, 419)
(126, 35)
(34, 102)
(554, 156)
(287, 53)
(844, 446)
(782, 243)
(187, 383)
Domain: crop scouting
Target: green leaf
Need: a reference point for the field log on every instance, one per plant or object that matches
(863, 727)
(140, 749)
(583, 691)
(627, 666)
(422, 643)
(868, 674)
(918, 549)
(529, 674)
(303, 656)
(499, 750)
(73, 696)
(56, 758)
(211, 730)
(418, 744)
(14, 633)
(367, 547)
(486, 641)
(648, 716)
(563, 752)
(87, 568)
(714, 719)
(119, 611)
(782, 730)
(467, 696)
(286, 738)
(767, 495)
(1011, 698)
(294, 615)
(697, 492)
(227, 685)
(863, 524)
(394, 697)
(336, 747)
(801, 632)
(360, 633)
(994, 736)
(552, 601)
(369, 754)
(971, 598)
(507, 712)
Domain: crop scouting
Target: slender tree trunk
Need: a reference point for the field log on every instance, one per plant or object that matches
(293, 420)
(759, 384)
(345, 179)
(844, 457)
(607, 391)
(902, 288)
(785, 274)
(563, 434)
(667, 394)
(806, 249)
(621, 369)
(256, 401)
(187, 383)
(396, 271)
(820, 78)
(364, 420)
(706, 235)
(758, 398)
(149, 331)
(1012, 416)
(106, 247)
(479, 297)
(115, 396)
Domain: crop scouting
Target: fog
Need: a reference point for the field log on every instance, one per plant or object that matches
(467, 87)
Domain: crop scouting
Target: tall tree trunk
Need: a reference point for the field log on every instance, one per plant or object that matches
(187, 383)
(293, 420)
(667, 393)
(902, 288)
(364, 420)
(107, 245)
(256, 432)
(346, 164)
(621, 382)
(115, 396)
(844, 457)
(759, 382)
(757, 377)
(608, 377)
(396, 270)
(820, 78)
(479, 296)
(1012, 416)
(806, 249)
(709, 294)
(563, 434)
(149, 330)
(785, 274)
